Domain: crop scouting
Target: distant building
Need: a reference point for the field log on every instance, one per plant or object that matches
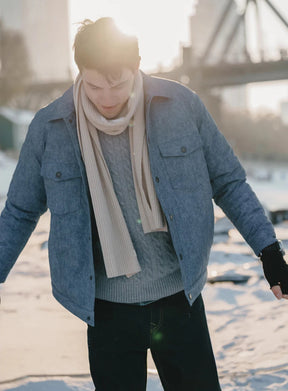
(202, 26)
(44, 25)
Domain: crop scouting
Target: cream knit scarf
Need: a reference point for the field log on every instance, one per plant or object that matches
(119, 255)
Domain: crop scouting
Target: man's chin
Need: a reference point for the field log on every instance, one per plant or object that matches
(110, 114)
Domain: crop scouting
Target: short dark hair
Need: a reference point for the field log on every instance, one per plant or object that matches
(102, 46)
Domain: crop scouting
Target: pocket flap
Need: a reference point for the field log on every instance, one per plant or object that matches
(59, 171)
(181, 146)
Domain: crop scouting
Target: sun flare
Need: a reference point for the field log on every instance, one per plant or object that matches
(159, 25)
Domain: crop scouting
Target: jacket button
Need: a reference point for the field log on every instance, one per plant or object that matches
(88, 318)
(58, 174)
(171, 217)
(91, 277)
(183, 149)
(190, 296)
(157, 179)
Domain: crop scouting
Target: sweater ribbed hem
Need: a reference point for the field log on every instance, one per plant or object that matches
(137, 293)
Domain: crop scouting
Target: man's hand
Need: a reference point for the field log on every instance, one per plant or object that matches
(275, 269)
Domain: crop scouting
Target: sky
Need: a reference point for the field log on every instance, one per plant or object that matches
(163, 26)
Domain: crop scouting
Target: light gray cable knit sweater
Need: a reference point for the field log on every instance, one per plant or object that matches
(160, 275)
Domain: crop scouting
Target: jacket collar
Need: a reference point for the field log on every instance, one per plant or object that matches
(156, 87)
(63, 107)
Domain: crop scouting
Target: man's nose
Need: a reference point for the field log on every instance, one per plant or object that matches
(108, 98)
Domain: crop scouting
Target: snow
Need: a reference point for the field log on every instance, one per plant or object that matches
(43, 347)
(7, 167)
(67, 383)
(17, 116)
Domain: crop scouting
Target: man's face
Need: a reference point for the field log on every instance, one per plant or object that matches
(108, 96)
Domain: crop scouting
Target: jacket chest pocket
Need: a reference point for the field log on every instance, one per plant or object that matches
(185, 162)
(63, 186)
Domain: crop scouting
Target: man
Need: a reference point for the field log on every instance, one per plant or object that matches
(128, 165)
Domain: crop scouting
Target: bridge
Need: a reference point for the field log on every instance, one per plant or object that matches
(201, 75)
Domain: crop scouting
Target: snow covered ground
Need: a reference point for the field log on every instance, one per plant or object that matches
(43, 347)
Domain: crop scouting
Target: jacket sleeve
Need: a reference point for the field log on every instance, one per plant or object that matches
(230, 190)
(26, 201)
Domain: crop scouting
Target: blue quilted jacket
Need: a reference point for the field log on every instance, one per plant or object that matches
(191, 163)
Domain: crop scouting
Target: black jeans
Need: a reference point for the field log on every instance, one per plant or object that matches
(176, 334)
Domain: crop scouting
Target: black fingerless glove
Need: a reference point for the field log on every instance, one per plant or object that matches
(274, 266)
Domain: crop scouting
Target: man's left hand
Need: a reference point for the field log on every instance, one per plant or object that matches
(275, 270)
